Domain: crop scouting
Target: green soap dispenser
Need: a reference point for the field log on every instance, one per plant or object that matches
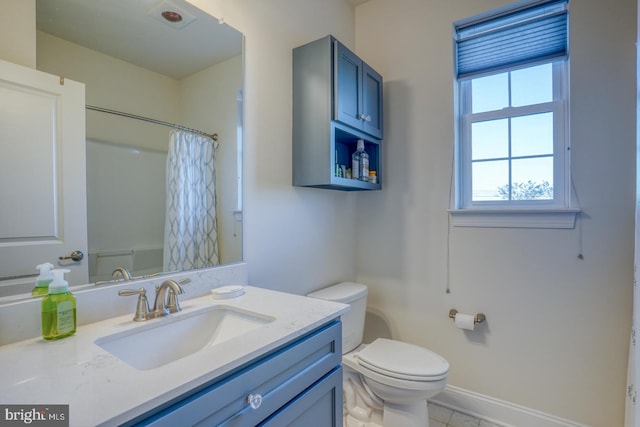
(43, 280)
(58, 309)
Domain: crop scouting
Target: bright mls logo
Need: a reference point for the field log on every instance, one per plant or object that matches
(35, 415)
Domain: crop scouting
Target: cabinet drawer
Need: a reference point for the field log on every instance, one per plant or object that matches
(277, 378)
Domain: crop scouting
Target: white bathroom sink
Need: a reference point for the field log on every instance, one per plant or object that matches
(164, 340)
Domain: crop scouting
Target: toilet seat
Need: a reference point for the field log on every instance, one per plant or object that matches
(403, 361)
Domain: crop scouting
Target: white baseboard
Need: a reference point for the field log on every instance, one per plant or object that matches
(497, 411)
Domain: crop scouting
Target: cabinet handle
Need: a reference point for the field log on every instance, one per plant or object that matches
(365, 117)
(254, 400)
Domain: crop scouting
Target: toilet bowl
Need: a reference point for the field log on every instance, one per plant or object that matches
(387, 382)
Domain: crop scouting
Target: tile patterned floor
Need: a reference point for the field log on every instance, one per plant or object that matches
(440, 416)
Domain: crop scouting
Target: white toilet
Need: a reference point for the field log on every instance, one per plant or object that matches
(386, 383)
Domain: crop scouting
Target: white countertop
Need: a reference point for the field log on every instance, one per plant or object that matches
(103, 390)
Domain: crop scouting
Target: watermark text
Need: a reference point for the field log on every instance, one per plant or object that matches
(34, 415)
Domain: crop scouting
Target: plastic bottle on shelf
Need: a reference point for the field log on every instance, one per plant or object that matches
(360, 163)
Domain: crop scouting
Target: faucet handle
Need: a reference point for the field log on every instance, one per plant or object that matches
(172, 299)
(142, 307)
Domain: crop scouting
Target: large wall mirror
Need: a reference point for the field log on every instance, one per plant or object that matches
(185, 68)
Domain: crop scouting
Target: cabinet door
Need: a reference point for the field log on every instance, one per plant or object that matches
(358, 93)
(319, 405)
(348, 81)
(371, 111)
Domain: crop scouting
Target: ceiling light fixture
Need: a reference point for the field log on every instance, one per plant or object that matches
(171, 16)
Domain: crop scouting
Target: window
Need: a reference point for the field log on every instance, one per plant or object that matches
(512, 148)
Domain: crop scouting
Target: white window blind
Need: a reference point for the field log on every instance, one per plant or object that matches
(535, 31)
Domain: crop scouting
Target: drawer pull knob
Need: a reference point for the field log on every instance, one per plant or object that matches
(254, 400)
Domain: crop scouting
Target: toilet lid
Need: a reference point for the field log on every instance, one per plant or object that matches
(403, 360)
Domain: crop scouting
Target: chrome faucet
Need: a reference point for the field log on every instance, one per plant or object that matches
(121, 273)
(166, 301)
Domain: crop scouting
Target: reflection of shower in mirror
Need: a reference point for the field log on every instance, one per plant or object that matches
(196, 85)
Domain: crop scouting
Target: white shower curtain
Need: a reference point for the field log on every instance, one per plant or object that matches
(632, 406)
(632, 415)
(190, 236)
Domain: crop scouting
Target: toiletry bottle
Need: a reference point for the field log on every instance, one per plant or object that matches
(42, 281)
(58, 309)
(360, 163)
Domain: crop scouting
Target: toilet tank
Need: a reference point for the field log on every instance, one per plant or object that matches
(354, 294)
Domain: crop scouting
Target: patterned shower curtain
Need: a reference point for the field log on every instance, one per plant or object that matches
(632, 406)
(190, 235)
(632, 414)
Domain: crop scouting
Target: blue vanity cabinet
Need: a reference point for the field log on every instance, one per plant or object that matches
(337, 100)
(299, 383)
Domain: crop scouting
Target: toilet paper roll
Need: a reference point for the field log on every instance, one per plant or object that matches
(465, 321)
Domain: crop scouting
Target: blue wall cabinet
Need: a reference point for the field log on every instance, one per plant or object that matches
(337, 99)
(298, 384)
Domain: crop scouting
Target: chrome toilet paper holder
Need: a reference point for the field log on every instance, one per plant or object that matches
(478, 318)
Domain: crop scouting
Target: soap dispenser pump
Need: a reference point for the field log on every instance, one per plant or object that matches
(58, 309)
(43, 280)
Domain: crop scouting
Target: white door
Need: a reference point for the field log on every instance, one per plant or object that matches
(42, 176)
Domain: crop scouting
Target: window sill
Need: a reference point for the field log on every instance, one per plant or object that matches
(514, 218)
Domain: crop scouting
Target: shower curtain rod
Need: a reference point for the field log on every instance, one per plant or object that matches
(147, 119)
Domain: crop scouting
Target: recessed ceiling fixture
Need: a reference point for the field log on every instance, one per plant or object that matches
(171, 16)
(169, 13)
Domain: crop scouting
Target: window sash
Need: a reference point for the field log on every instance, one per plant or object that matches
(560, 145)
(536, 31)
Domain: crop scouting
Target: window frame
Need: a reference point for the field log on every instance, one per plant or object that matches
(561, 145)
(556, 213)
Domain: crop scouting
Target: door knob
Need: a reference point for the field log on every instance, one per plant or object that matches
(75, 256)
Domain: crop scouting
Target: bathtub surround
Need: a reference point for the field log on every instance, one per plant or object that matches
(111, 244)
(138, 261)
